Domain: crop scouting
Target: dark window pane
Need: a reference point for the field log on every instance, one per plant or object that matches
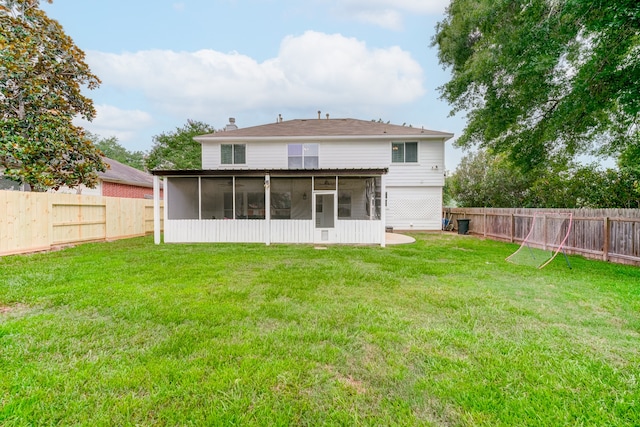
(397, 152)
(239, 151)
(411, 152)
(226, 154)
(295, 162)
(311, 162)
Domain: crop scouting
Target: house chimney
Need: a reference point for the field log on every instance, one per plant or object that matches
(327, 116)
(231, 125)
(279, 118)
(319, 112)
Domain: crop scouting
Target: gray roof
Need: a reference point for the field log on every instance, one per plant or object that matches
(325, 128)
(123, 174)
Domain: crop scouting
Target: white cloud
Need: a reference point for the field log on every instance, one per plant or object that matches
(311, 70)
(414, 6)
(388, 13)
(113, 121)
(385, 18)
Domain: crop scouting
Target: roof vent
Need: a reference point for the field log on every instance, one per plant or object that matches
(327, 116)
(319, 112)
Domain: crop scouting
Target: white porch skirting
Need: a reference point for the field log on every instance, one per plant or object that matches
(363, 232)
(273, 231)
(291, 231)
(214, 230)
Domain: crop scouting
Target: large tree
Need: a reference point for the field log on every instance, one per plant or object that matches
(483, 179)
(541, 79)
(112, 149)
(177, 149)
(42, 74)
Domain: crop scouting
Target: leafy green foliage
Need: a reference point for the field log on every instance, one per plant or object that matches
(112, 149)
(543, 79)
(486, 180)
(177, 149)
(42, 73)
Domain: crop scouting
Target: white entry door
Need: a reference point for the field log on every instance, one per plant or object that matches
(325, 213)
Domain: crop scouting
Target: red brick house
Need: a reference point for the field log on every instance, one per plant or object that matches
(121, 180)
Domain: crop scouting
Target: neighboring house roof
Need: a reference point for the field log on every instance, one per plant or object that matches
(328, 128)
(123, 174)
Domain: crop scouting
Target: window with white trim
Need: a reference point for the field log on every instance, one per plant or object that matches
(233, 154)
(404, 152)
(302, 156)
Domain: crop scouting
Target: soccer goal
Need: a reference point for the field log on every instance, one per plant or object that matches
(548, 233)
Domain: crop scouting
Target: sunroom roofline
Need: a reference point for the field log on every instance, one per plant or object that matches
(272, 172)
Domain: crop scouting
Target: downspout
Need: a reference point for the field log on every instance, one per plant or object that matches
(267, 209)
(156, 209)
(383, 210)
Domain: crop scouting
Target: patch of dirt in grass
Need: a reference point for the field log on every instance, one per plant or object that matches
(347, 380)
(353, 384)
(6, 310)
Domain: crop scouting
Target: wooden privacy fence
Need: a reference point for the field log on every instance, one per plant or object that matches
(32, 222)
(606, 234)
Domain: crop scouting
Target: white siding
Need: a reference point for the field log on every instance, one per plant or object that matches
(414, 208)
(332, 154)
(429, 171)
(260, 155)
(358, 155)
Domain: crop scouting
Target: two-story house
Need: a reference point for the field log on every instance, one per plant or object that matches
(306, 181)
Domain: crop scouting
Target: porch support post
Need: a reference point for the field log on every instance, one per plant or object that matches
(267, 209)
(383, 210)
(156, 209)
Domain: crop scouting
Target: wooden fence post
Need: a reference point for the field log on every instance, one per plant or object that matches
(544, 232)
(605, 246)
(484, 226)
(513, 226)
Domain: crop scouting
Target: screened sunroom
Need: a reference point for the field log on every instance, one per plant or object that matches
(285, 206)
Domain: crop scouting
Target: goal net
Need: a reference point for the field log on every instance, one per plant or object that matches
(548, 233)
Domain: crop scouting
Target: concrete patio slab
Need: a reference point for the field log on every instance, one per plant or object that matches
(397, 239)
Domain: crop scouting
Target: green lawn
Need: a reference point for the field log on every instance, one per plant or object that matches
(441, 332)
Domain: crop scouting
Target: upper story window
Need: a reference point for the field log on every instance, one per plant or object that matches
(303, 156)
(233, 154)
(404, 152)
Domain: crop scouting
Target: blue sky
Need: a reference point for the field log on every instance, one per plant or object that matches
(164, 62)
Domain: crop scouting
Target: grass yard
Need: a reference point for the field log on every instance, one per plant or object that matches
(441, 332)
